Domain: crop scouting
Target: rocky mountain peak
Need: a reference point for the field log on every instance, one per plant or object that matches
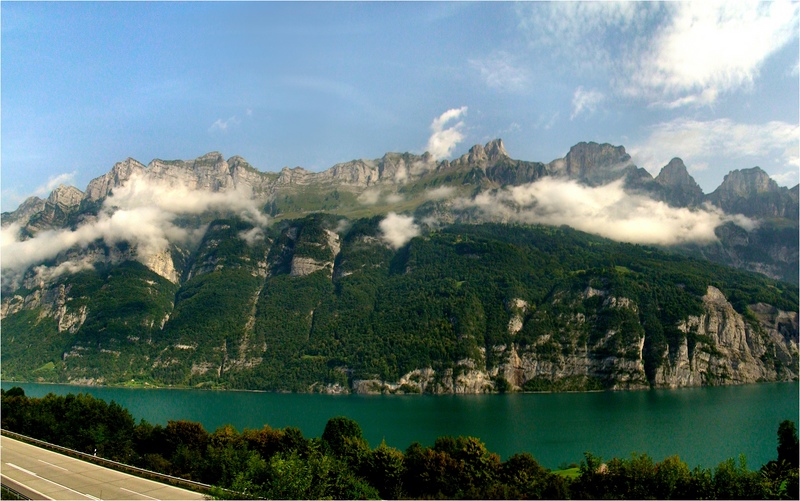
(65, 196)
(747, 182)
(31, 206)
(680, 188)
(594, 163)
(477, 154)
(483, 156)
(101, 187)
(213, 156)
(675, 174)
(753, 193)
(495, 150)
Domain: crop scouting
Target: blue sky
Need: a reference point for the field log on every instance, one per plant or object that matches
(85, 85)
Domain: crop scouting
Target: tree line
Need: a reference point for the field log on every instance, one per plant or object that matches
(283, 464)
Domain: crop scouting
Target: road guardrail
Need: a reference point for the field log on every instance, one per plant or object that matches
(114, 465)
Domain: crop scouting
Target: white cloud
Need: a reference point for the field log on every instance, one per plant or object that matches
(45, 274)
(500, 71)
(374, 196)
(252, 236)
(221, 125)
(606, 210)
(398, 229)
(711, 47)
(669, 54)
(696, 142)
(369, 196)
(585, 101)
(586, 36)
(443, 141)
(547, 122)
(393, 198)
(440, 193)
(141, 212)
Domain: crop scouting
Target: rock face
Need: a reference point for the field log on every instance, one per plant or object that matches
(30, 207)
(50, 302)
(728, 350)
(593, 163)
(720, 347)
(681, 190)
(101, 187)
(753, 193)
(65, 196)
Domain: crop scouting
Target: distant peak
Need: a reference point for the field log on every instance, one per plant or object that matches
(215, 155)
(676, 163)
(593, 148)
(494, 149)
(747, 182)
(675, 172)
(65, 195)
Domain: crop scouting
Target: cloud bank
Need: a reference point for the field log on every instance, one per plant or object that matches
(444, 140)
(607, 211)
(141, 213)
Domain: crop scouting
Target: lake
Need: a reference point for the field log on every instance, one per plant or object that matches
(704, 426)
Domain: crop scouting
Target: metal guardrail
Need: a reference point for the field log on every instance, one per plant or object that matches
(149, 474)
(13, 491)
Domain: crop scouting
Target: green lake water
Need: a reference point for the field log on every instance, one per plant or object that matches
(704, 426)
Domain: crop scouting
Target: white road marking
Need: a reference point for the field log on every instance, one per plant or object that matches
(54, 483)
(20, 468)
(53, 465)
(137, 493)
(34, 491)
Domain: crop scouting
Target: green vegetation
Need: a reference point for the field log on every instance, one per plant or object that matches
(283, 464)
(241, 319)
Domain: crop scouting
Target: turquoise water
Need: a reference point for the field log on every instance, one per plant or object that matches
(704, 426)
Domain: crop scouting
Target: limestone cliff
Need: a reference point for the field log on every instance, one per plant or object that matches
(720, 347)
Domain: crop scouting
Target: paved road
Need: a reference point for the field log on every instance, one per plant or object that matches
(49, 475)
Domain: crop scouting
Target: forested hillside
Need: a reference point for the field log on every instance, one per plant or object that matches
(322, 303)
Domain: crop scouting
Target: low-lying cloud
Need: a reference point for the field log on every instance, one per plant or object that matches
(398, 229)
(141, 213)
(440, 193)
(374, 196)
(608, 211)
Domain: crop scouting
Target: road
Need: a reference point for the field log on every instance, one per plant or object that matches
(42, 474)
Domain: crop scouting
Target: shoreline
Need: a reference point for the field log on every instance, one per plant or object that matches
(351, 394)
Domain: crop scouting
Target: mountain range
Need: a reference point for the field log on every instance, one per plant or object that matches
(405, 273)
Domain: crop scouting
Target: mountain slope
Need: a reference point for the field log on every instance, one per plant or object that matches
(404, 274)
(470, 308)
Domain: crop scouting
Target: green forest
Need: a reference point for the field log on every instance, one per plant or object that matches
(271, 463)
(241, 318)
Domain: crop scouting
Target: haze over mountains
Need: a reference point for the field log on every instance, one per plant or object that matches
(404, 273)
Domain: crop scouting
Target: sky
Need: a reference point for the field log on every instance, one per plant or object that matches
(86, 85)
